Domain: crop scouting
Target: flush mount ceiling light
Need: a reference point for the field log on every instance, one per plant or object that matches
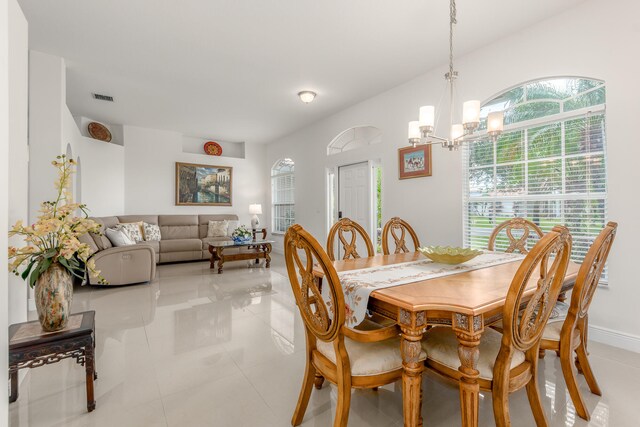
(422, 131)
(307, 96)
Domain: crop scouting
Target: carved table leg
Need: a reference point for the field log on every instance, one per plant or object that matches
(412, 325)
(89, 364)
(14, 385)
(468, 330)
(267, 251)
(212, 260)
(220, 258)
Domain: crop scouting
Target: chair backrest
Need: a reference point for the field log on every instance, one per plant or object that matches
(547, 261)
(518, 243)
(590, 272)
(394, 227)
(345, 225)
(324, 321)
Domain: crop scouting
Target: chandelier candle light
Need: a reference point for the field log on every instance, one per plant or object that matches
(421, 131)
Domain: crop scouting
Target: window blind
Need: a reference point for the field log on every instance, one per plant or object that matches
(548, 166)
(282, 196)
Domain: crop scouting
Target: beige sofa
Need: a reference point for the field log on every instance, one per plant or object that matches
(183, 238)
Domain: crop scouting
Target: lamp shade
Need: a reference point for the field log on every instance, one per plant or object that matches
(456, 132)
(427, 115)
(255, 209)
(471, 112)
(495, 121)
(414, 130)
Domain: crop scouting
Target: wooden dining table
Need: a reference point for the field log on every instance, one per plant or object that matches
(468, 302)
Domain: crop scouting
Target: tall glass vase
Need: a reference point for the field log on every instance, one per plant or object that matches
(54, 294)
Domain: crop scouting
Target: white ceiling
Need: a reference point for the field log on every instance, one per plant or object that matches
(231, 69)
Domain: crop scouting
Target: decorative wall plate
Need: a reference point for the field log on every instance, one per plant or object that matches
(99, 131)
(212, 148)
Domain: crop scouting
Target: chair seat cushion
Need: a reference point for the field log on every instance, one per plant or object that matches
(441, 346)
(370, 358)
(552, 331)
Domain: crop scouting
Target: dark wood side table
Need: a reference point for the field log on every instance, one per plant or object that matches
(31, 347)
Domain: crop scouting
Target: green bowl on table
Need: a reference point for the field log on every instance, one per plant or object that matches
(448, 254)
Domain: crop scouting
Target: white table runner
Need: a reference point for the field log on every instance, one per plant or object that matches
(357, 285)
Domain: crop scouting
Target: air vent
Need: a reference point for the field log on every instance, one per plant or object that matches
(103, 97)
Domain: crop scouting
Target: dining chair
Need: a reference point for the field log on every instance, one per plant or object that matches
(515, 242)
(508, 362)
(394, 226)
(346, 225)
(567, 335)
(346, 357)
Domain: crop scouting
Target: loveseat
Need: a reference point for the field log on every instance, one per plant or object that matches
(183, 238)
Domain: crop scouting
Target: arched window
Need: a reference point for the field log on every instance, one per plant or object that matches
(283, 211)
(548, 166)
(355, 137)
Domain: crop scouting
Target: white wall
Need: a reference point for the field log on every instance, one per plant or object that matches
(18, 146)
(588, 40)
(4, 209)
(47, 92)
(52, 128)
(150, 157)
(100, 171)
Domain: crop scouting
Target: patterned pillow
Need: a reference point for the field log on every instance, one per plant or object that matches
(134, 230)
(218, 228)
(151, 232)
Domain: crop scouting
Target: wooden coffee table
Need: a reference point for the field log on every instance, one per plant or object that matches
(31, 347)
(254, 249)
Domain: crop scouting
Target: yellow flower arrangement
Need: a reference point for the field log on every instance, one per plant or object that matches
(54, 236)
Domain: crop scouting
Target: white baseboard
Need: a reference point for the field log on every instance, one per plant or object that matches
(615, 338)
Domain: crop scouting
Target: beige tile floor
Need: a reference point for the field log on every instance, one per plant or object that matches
(195, 348)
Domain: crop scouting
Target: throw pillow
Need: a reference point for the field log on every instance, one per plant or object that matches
(151, 232)
(233, 224)
(134, 230)
(218, 228)
(118, 237)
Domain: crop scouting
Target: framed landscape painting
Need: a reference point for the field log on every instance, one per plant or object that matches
(415, 161)
(203, 185)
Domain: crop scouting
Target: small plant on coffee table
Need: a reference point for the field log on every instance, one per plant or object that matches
(242, 235)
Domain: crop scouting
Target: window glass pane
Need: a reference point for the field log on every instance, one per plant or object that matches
(510, 179)
(282, 195)
(545, 177)
(544, 141)
(595, 97)
(531, 111)
(509, 147)
(480, 223)
(481, 153)
(584, 135)
(551, 89)
(585, 174)
(481, 181)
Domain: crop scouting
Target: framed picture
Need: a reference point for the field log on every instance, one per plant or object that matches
(203, 185)
(415, 162)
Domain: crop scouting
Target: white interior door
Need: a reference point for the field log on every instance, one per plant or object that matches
(354, 198)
